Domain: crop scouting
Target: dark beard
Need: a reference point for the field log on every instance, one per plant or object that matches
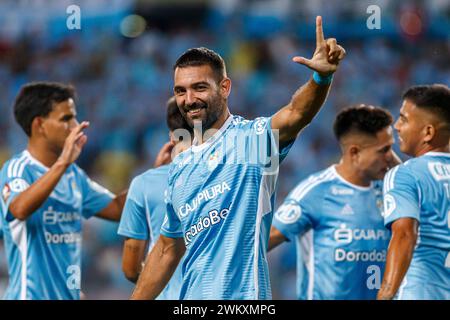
(214, 109)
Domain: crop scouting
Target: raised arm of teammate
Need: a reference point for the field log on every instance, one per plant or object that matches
(28, 201)
(159, 267)
(400, 253)
(113, 210)
(308, 99)
(164, 155)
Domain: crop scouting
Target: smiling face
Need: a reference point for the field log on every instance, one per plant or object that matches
(410, 127)
(200, 96)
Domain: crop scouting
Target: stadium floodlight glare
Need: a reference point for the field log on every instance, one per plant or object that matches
(132, 26)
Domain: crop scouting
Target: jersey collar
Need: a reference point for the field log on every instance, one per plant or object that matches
(213, 138)
(333, 168)
(437, 154)
(35, 161)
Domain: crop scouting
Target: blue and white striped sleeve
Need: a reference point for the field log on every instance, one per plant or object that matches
(15, 179)
(133, 222)
(295, 216)
(264, 144)
(171, 226)
(400, 195)
(95, 197)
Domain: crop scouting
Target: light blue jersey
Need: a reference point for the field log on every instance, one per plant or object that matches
(420, 189)
(144, 214)
(221, 197)
(340, 238)
(44, 251)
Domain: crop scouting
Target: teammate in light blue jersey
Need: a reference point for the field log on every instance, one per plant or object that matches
(145, 208)
(334, 216)
(222, 189)
(417, 200)
(45, 196)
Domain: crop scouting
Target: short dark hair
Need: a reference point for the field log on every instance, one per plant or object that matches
(36, 99)
(361, 118)
(202, 56)
(434, 98)
(174, 117)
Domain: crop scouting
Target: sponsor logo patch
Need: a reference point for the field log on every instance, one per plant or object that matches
(18, 185)
(389, 205)
(288, 213)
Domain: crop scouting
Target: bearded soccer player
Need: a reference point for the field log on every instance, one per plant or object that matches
(145, 207)
(45, 195)
(417, 200)
(335, 216)
(221, 190)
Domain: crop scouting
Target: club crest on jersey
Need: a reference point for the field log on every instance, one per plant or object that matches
(213, 160)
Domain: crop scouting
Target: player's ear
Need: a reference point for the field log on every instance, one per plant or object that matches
(225, 87)
(37, 126)
(353, 151)
(430, 132)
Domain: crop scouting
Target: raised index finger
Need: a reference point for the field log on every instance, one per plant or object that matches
(319, 31)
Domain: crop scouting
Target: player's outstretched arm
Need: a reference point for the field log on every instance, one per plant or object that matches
(133, 257)
(276, 238)
(159, 267)
(308, 99)
(113, 211)
(400, 252)
(31, 199)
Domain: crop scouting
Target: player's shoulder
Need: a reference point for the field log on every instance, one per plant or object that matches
(239, 122)
(405, 169)
(257, 124)
(433, 157)
(315, 184)
(424, 160)
(158, 171)
(151, 175)
(404, 173)
(15, 166)
(77, 171)
(175, 168)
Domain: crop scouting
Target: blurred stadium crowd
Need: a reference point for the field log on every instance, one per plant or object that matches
(123, 83)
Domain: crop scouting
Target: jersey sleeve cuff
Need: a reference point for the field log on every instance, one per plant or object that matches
(131, 234)
(169, 234)
(388, 221)
(283, 229)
